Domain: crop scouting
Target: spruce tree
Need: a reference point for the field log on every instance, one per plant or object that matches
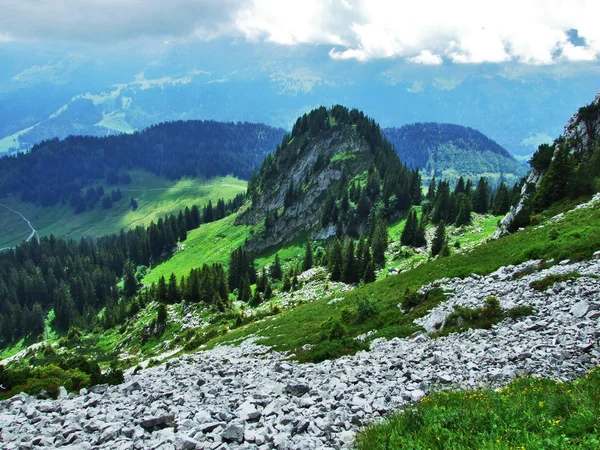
(431, 190)
(129, 281)
(410, 229)
(439, 240)
(172, 290)
(369, 273)
(268, 291)
(419, 239)
(464, 212)
(307, 263)
(276, 272)
(244, 291)
(162, 290)
(379, 243)
(501, 203)
(335, 260)
(256, 299)
(481, 197)
(349, 274)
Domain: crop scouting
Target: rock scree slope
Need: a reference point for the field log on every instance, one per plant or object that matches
(248, 397)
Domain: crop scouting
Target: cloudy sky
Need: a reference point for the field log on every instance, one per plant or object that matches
(426, 32)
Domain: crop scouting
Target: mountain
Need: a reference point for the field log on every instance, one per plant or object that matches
(567, 169)
(449, 151)
(42, 97)
(331, 154)
(84, 322)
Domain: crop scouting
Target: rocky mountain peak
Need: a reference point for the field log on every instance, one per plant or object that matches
(326, 178)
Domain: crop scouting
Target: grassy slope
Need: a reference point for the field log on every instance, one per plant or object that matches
(578, 237)
(156, 198)
(211, 243)
(526, 414)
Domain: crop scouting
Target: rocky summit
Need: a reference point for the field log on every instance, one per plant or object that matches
(250, 398)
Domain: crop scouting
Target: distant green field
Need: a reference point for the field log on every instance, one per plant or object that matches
(156, 197)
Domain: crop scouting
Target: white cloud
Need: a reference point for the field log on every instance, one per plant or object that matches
(443, 84)
(531, 32)
(426, 57)
(416, 88)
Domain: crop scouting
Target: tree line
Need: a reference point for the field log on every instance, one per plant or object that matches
(78, 279)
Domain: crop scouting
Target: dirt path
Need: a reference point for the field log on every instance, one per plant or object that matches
(33, 230)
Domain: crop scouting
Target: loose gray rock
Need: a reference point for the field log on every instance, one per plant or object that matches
(233, 433)
(297, 389)
(580, 309)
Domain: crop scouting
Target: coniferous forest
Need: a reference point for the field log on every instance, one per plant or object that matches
(55, 171)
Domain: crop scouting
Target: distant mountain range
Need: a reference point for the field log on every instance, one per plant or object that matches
(99, 95)
(449, 151)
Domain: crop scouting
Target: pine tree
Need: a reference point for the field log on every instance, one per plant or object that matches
(307, 263)
(129, 281)
(349, 273)
(410, 229)
(369, 273)
(162, 290)
(464, 212)
(481, 197)
(335, 260)
(439, 240)
(245, 292)
(276, 272)
(379, 242)
(268, 291)
(172, 290)
(501, 203)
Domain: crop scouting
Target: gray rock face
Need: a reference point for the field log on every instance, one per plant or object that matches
(305, 214)
(252, 398)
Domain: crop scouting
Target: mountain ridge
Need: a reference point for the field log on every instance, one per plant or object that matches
(447, 150)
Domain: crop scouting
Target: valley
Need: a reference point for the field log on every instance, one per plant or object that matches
(156, 197)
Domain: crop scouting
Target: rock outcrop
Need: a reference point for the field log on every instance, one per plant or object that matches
(580, 134)
(314, 160)
(248, 397)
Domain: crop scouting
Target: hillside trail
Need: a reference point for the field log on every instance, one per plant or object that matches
(33, 230)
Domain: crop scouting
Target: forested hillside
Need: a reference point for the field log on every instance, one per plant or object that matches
(334, 175)
(56, 170)
(449, 151)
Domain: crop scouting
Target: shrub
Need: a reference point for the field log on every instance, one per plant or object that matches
(519, 311)
(366, 309)
(332, 329)
(348, 314)
(331, 349)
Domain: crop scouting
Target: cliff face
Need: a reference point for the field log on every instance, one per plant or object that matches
(316, 166)
(580, 135)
